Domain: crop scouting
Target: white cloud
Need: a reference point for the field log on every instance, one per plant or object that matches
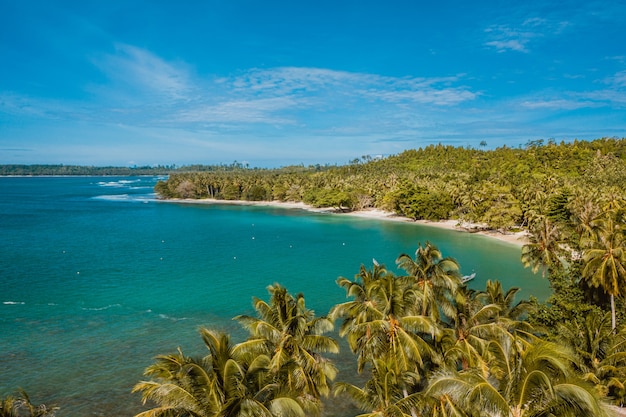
(558, 104)
(291, 79)
(134, 70)
(518, 38)
(618, 80)
(333, 85)
(509, 45)
(238, 111)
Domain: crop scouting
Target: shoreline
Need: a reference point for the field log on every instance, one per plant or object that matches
(519, 238)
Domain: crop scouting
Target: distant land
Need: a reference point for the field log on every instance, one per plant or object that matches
(65, 170)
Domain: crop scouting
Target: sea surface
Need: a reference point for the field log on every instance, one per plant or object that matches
(97, 277)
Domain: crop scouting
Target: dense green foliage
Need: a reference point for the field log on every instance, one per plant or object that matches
(424, 343)
(501, 188)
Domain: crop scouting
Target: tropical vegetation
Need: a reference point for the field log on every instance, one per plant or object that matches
(423, 342)
(504, 188)
(22, 406)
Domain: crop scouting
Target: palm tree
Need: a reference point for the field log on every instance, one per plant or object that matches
(226, 382)
(482, 318)
(585, 212)
(21, 406)
(543, 249)
(508, 309)
(605, 259)
(363, 309)
(529, 379)
(601, 354)
(437, 278)
(383, 395)
(465, 344)
(383, 321)
(292, 337)
(382, 326)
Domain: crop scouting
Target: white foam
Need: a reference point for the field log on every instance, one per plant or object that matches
(13, 302)
(127, 197)
(113, 197)
(102, 308)
(117, 184)
(166, 317)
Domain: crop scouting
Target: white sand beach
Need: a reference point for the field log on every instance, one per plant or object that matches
(519, 238)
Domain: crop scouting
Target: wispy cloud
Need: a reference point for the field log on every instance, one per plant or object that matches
(134, 72)
(611, 94)
(318, 82)
(144, 90)
(144, 86)
(262, 110)
(618, 80)
(144, 95)
(559, 104)
(518, 37)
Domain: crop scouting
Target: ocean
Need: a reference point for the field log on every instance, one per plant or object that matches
(97, 277)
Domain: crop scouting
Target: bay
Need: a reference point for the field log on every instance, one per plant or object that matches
(97, 277)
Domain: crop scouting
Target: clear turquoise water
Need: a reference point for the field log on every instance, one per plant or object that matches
(97, 277)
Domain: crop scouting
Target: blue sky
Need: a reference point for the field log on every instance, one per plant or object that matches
(271, 83)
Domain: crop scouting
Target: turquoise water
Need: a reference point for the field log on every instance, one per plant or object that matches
(97, 277)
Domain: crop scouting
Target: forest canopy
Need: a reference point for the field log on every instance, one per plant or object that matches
(502, 188)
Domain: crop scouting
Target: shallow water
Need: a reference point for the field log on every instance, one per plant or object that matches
(97, 277)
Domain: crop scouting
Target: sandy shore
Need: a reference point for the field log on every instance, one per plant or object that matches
(520, 238)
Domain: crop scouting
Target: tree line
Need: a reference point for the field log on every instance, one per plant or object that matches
(82, 170)
(503, 188)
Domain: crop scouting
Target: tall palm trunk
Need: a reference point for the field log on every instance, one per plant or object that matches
(613, 320)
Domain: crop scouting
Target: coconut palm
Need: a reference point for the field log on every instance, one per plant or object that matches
(292, 337)
(591, 340)
(584, 212)
(384, 394)
(176, 391)
(465, 344)
(601, 353)
(510, 313)
(363, 291)
(436, 277)
(531, 379)
(362, 311)
(605, 259)
(21, 406)
(226, 382)
(383, 328)
(382, 321)
(8, 407)
(543, 249)
(482, 318)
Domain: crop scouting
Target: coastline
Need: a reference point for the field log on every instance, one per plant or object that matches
(519, 238)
